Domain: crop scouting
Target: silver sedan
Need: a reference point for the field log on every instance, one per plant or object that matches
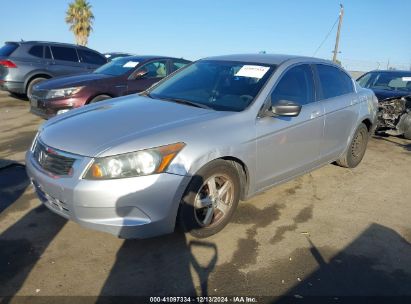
(185, 152)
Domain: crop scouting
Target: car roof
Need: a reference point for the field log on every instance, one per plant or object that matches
(390, 71)
(276, 59)
(148, 57)
(48, 42)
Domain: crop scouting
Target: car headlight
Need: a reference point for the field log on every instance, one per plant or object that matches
(144, 162)
(62, 92)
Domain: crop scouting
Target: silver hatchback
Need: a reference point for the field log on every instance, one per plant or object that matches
(220, 130)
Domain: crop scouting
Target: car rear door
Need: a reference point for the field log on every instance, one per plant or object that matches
(156, 70)
(287, 146)
(341, 109)
(65, 61)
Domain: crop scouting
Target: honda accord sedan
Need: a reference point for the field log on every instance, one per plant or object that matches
(121, 76)
(188, 149)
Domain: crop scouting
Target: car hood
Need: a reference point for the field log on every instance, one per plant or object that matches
(71, 81)
(94, 129)
(384, 94)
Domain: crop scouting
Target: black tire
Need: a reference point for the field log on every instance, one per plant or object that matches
(31, 84)
(190, 217)
(355, 152)
(407, 126)
(99, 98)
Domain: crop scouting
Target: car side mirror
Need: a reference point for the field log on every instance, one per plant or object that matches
(285, 108)
(140, 74)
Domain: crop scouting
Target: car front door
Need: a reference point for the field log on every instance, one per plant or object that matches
(155, 71)
(341, 105)
(287, 146)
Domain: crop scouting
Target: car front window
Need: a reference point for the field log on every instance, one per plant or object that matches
(220, 85)
(391, 82)
(118, 66)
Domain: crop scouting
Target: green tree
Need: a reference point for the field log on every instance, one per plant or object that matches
(80, 18)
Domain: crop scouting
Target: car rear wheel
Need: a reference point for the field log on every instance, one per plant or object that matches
(210, 199)
(406, 125)
(356, 150)
(100, 98)
(32, 83)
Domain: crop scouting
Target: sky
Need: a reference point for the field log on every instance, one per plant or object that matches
(373, 31)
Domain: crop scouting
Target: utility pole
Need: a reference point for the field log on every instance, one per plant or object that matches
(337, 39)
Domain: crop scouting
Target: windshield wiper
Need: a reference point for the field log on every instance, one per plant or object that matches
(186, 102)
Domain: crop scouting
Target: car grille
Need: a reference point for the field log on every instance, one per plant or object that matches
(39, 94)
(51, 161)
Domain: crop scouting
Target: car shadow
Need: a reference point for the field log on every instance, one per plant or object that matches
(13, 182)
(375, 264)
(160, 266)
(23, 243)
(405, 146)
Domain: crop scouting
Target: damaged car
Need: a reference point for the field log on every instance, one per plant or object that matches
(393, 90)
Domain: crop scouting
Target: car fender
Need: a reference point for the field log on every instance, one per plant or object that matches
(367, 110)
(32, 74)
(245, 161)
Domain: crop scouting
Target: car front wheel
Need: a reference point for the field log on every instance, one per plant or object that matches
(210, 199)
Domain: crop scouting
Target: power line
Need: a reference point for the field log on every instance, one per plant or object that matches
(326, 37)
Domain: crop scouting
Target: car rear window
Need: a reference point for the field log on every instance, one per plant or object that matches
(91, 57)
(64, 53)
(8, 49)
(36, 51)
(333, 81)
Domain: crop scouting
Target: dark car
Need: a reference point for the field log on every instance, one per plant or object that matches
(393, 90)
(121, 76)
(24, 64)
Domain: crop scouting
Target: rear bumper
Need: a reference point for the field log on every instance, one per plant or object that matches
(12, 86)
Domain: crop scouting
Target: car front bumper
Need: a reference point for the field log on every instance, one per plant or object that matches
(138, 207)
(48, 108)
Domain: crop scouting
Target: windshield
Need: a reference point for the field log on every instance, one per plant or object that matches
(391, 81)
(8, 48)
(118, 66)
(219, 85)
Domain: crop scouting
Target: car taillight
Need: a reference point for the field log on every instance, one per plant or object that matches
(8, 64)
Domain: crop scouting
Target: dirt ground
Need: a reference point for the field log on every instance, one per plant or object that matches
(334, 232)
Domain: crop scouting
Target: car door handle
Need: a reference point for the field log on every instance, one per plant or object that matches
(315, 114)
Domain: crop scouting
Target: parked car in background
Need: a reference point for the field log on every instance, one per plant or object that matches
(122, 76)
(393, 90)
(111, 56)
(24, 64)
(190, 147)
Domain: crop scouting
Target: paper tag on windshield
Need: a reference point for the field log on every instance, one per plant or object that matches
(130, 64)
(253, 71)
(406, 78)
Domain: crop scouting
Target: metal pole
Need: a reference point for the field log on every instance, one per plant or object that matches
(337, 39)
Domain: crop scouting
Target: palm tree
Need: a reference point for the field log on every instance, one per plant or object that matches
(80, 18)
